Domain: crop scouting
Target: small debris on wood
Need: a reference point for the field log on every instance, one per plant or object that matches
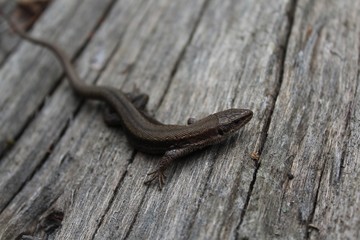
(255, 156)
(28, 11)
(290, 176)
(314, 227)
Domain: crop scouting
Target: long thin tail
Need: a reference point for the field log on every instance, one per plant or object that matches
(74, 79)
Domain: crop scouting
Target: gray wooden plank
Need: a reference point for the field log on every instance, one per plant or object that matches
(228, 60)
(174, 25)
(149, 68)
(133, 42)
(308, 151)
(7, 41)
(336, 214)
(32, 148)
(196, 57)
(38, 139)
(26, 83)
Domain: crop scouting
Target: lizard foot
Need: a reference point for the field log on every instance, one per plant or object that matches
(157, 174)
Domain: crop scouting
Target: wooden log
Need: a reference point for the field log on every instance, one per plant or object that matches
(294, 63)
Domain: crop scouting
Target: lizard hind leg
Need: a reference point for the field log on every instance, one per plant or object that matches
(140, 100)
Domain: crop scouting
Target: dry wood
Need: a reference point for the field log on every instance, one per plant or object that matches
(7, 41)
(314, 132)
(294, 63)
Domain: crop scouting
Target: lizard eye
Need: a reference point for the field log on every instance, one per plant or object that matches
(220, 132)
(237, 121)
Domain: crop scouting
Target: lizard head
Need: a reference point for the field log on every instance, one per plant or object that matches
(213, 129)
(232, 120)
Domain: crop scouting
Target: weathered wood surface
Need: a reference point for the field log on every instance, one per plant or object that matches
(65, 175)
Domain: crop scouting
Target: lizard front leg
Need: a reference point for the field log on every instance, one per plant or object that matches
(168, 158)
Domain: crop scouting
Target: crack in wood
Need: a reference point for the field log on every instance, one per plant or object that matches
(272, 97)
(136, 214)
(182, 52)
(201, 196)
(4, 148)
(38, 166)
(346, 139)
(112, 199)
(39, 108)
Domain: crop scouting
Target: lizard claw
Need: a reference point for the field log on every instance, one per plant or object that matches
(157, 174)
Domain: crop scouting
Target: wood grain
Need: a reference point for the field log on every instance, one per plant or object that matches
(65, 175)
(311, 131)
